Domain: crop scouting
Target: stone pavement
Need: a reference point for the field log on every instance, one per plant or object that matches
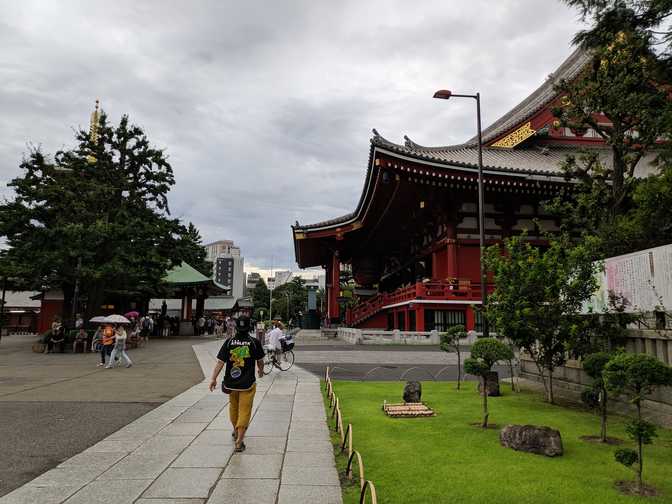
(182, 452)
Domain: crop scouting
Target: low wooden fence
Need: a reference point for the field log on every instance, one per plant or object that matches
(346, 442)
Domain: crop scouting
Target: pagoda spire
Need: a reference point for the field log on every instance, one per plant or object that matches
(93, 130)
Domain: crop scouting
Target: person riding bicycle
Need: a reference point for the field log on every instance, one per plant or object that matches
(273, 339)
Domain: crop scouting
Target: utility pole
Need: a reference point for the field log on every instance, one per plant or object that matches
(271, 284)
(75, 295)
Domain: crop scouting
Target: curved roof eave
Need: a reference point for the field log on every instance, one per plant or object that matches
(380, 144)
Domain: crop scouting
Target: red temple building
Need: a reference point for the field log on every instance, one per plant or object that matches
(412, 243)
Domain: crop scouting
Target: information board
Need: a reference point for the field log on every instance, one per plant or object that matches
(643, 279)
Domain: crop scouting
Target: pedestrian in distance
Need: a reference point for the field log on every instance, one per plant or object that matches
(146, 325)
(239, 355)
(81, 339)
(119, 348)
(108, 344)
(230, 328)
(56, 337)
(97, 345)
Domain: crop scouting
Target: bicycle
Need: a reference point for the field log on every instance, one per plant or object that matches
(283, 362)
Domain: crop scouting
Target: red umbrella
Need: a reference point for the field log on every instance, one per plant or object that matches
(132, 314)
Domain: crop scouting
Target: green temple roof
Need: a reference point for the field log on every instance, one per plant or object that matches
(185, 275)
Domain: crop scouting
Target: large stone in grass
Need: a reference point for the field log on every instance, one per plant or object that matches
(493, 384)
(532, 439)
(412, 391)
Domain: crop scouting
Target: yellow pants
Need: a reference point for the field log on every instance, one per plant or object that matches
(240, 406)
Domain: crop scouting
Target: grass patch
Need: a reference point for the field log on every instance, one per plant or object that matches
(445, 459)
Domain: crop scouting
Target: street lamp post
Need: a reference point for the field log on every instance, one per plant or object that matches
(289, 298)
(2, 308)
(444, 94)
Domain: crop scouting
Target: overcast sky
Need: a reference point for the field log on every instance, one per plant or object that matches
(266, 108)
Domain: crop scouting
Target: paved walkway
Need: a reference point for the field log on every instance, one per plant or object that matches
(182, 452)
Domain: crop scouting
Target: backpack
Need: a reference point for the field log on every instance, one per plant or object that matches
(146, 323)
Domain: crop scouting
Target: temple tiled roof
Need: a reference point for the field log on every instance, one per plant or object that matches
(535, 160)
(184, 274)
(541, 97)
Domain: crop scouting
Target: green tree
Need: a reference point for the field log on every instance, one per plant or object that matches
(96, 215)
(485, 353)
(609, 15)
(636, 375)
(261, 296)
(537, 296)
(192, 251)
(594, 365)
(290, 298)
(450, 341)
(649, 223)
(619, 96)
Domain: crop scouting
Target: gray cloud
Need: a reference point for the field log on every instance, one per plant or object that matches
(266, 108)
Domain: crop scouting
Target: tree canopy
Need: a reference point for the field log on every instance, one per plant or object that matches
(537, 292)
(623, 96)
(97, 213)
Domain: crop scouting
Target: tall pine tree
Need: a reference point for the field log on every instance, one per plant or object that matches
(96, 214)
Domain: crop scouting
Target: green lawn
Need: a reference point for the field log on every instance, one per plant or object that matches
(443, 459)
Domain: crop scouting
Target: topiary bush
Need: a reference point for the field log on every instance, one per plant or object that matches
(636, 375)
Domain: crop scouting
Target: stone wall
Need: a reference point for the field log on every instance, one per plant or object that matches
(380, 337)
(572, 378)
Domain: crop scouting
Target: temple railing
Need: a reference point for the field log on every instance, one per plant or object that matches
(435, 290)
(380, 337)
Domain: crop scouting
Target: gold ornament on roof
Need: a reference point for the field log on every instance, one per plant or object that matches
(93, 130)
(516, 137)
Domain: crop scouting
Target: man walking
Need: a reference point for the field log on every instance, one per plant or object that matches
(239, 354)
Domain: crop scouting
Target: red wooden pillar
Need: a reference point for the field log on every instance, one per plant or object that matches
(186, 306)
(419, 317)
(470, 319)
(327, 288)
(407, 319)
(451, 251)
(335, 287)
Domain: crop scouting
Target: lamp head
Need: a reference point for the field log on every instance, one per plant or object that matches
(443, 94)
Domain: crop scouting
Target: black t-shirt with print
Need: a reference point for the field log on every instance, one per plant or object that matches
(240, 354)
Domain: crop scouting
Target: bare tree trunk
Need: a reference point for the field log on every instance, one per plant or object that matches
(550, 386)
(66, 313)
(603, 422)
(95, 292)
(542, 375)
(485, 402)
(640, 465)
(459, 367)
(513, 385)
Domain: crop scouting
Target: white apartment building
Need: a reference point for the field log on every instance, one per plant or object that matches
(221, 248)
(227, 270)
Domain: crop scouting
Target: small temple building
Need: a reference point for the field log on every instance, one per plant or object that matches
(412, 242)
